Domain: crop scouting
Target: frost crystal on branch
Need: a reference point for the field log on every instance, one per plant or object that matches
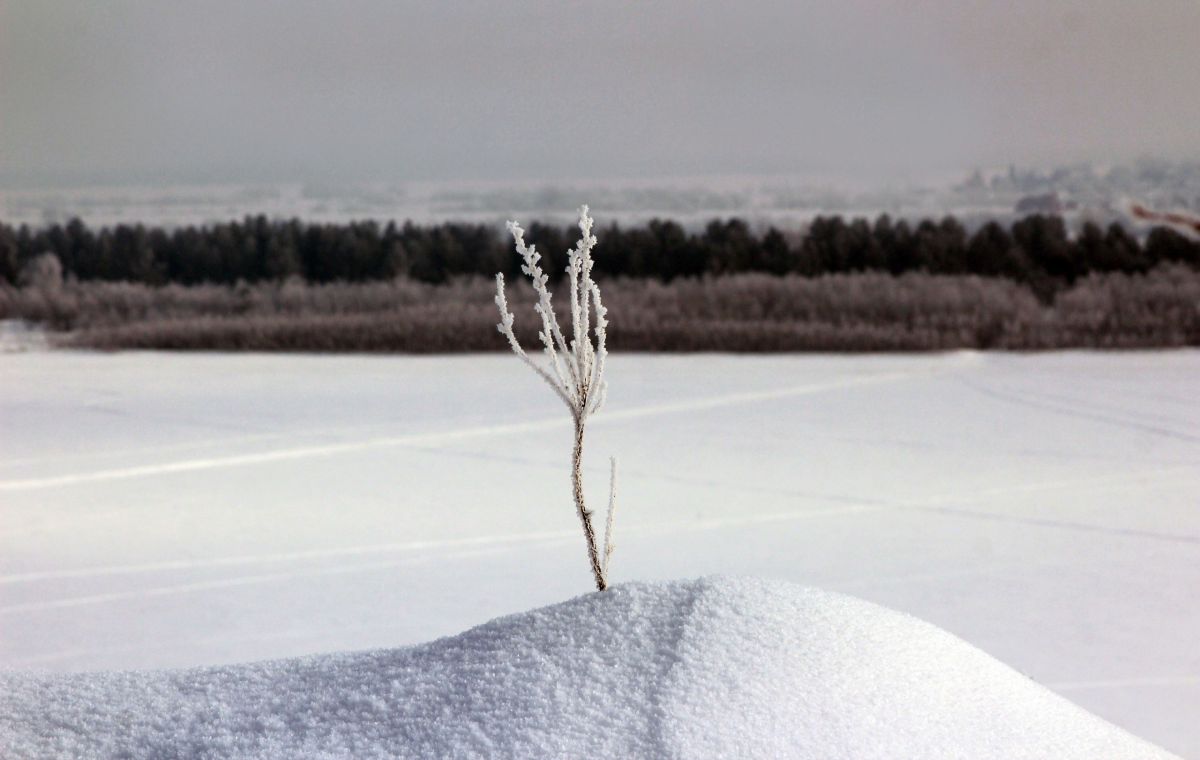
(574, 369)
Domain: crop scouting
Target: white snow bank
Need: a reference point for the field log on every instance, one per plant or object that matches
(709, 668)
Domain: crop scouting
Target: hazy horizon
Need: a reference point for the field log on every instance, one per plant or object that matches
(224, 92)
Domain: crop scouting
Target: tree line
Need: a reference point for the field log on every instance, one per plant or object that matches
(1036, 250)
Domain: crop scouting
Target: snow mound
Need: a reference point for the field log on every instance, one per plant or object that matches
(698, 669)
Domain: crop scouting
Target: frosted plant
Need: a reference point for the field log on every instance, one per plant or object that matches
(574, 367)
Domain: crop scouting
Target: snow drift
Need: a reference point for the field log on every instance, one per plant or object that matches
(709, 668)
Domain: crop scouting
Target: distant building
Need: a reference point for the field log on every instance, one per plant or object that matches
(1048, 203)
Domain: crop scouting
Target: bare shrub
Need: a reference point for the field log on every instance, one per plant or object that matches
(44, 272)
(746, 313)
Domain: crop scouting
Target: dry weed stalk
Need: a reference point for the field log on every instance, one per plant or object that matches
(574, 368)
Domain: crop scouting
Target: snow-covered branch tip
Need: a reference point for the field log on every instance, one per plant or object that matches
(574, 364)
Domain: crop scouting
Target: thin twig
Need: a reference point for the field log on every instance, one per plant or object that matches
(608, 520)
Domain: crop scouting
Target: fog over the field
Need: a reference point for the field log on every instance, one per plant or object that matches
(234, 91)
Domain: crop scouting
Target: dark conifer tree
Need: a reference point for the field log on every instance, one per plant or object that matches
(1044, 241)
(989, 252)
(776, 253)
(903, 254)
(1165, 244)
(1126, 251)
(10, 263)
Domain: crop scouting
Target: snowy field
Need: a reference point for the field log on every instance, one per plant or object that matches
(163, 510)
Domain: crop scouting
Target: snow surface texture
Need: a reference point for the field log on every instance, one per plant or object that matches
(163, 510)
(697, 669)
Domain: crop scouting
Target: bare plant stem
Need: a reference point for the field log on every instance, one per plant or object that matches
(585, 515)
(574, 368)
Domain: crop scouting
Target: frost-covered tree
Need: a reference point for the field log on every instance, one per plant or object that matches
(574, 365)
(45, 272)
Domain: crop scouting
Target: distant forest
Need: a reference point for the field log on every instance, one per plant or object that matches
(1037, 251)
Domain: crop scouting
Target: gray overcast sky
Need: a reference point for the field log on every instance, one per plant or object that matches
(176, 90)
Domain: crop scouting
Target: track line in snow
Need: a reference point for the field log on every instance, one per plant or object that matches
(1088, 481)
(308, 452)
(489, 544)
(849, 504)
(933, 576)
(1107, 419)
(1124, 683)
(484, 545)
(1065, 524)
(242, 580)
(751, 397)
(218, 640)
(1092, 407)
(296, 556)
(316, 434)
(110, 453)
(475, 546)
(277, 455)
(948, 504)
